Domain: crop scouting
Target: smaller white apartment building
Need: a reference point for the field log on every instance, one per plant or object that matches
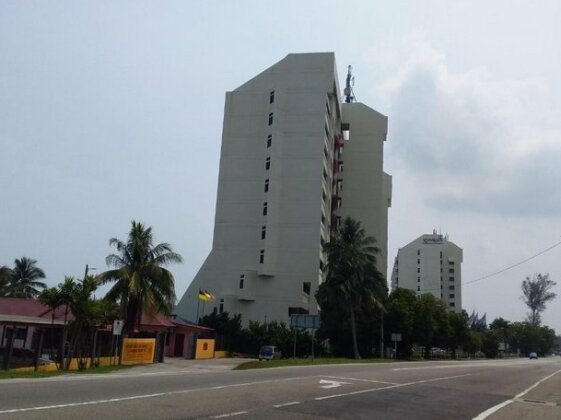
(431, 264)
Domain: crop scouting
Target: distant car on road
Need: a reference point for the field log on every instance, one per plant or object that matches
(269, 353)
(533, 355)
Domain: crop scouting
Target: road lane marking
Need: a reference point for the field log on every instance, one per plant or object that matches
(454, 365)
(331, 384)
(286, 404)
(364, 391)
(361, 380)
(489, 411)
(221, 416)
(144, 396)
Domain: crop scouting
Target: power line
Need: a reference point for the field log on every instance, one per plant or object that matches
(513, 265)
(502, 270)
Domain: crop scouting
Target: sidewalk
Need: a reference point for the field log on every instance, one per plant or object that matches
(177, 364)
(542, 402)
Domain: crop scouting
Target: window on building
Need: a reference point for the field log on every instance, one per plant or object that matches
(272, 97)
(267, 185)
(418, 288)
(440, 254)
(261, 256)
(418, 279)
(242, 279)
(321, 265)
(324, 174)
(451, 262)
(452, 295)
(263, 232)
(451, 270)
(221, 308)
(19, 333)
(307, 287)
(265, 208)
(418, 270)
(269, 140)
(267, 163)
(418, 261)
(341, 167)
(271, 118)
(339, 203)
(451, 278)
(451, 287)
(297, 311)
(418, 252)
(452, 304)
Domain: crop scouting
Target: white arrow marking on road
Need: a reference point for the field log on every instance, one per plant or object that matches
(331, 384)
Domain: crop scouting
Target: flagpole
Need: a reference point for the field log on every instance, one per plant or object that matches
(198, 303)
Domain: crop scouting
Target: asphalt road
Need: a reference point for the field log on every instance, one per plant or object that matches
(424, 390)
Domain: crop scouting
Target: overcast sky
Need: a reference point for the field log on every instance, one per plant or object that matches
(111, 111)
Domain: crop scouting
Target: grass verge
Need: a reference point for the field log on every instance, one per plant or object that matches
(305, 362)
(9, 374)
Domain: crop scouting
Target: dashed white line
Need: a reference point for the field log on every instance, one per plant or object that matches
(361, 380)
(286, 404)
(221, 416)
(138, 397)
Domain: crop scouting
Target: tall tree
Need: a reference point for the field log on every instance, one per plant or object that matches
(5, 275)
(24, 279)
(536, 294)
(141, 281)
(352, 275)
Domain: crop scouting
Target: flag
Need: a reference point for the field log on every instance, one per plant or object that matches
(206, 296)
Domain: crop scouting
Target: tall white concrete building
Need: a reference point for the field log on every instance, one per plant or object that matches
(431, 264)
(294, 161)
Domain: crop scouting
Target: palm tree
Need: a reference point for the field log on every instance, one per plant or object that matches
(5, 275)
(141, 283)
(352, 275)
(24, 279)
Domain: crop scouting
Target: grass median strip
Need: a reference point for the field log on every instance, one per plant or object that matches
(306, 362)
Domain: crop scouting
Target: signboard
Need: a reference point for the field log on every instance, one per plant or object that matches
(304, 321)
(138, 350)
(396, 336)
(118, 327)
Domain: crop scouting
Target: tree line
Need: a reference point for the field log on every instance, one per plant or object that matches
(140, 284)
(359, 317)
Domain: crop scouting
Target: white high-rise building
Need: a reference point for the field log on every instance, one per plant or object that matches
(431, 264)
(294, 161)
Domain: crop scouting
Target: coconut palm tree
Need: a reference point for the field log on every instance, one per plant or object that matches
(352, 275)
(141, 281)
(24, 279)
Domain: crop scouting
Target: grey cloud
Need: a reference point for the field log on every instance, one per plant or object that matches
(463, 145)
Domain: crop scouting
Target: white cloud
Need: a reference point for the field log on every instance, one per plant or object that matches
(480, 144)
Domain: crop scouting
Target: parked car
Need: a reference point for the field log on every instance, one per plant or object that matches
(533, 355)
(269, 353)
